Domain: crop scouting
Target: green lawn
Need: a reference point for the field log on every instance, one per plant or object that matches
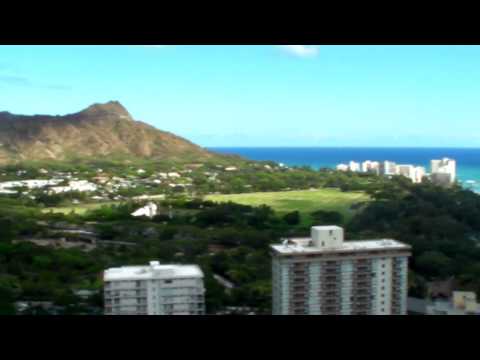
(305, 201)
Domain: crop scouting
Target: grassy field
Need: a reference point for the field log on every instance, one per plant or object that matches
(304, 201)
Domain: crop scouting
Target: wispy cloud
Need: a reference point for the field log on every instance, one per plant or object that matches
(15, 80)
(301, 50)
(58, 87)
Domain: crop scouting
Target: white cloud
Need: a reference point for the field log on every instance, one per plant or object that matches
(301, 50)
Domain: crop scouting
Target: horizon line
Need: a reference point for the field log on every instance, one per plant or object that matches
(341, 147)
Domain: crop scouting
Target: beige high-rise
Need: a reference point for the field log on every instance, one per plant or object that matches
(324, 274)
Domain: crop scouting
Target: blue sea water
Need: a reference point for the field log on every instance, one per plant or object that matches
(468, 160)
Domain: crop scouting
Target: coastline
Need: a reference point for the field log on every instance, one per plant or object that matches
(468, 159)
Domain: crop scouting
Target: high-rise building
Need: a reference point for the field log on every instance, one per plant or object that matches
(388, 168)
(371, 166)
(420, 173)
(323, 274)
(354, 166)
(154, 290)
(444, 166)
(407, 171)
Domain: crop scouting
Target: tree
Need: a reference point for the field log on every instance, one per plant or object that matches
(323, 217)
(434, 263)
(7, 230)
(292, 218)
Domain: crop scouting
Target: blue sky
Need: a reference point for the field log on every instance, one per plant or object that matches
(261, 95)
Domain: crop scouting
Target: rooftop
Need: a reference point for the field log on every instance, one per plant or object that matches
(304, 245)
(152, 271)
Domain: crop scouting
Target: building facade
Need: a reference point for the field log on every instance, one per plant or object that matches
(325, 275)
(419, 174)
(388, 168)
(407, 171)
(154, 290)
(443, 170)
(354, 166)
(371, 167)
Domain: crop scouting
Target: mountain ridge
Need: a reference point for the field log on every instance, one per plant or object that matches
(100, 130)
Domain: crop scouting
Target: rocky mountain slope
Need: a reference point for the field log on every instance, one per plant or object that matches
(101, 130)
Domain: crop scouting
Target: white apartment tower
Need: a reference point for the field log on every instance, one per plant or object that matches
(354, 166)
(444, 166)
(325, 275)
(407, 171)
(388, 168)
(420, 173)
(371, 166)
(154, 290)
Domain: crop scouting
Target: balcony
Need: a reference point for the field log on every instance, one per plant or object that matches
(330, 310)
(301, 290)
(362, 292)
(362, 262)
(361, 307)
(335, 273)
(330, 278)
(365, 276)
(363, 269)
(361, 301)
(329, 287)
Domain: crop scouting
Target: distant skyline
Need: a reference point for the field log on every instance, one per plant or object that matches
(239, 96)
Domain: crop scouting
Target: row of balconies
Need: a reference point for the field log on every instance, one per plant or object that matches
(126, 296)
(124, 285)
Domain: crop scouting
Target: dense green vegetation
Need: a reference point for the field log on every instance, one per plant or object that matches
(232, 239)
(441, 225)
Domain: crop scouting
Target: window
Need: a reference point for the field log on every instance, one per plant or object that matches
(330, 232)
(168, 281)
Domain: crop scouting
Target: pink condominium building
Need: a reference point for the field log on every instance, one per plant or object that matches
(325, 275)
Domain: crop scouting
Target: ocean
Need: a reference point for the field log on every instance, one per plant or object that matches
(468, 160)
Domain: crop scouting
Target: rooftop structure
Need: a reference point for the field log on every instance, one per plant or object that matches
(321, 242)
(153, 271)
